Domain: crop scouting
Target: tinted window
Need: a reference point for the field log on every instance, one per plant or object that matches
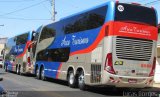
(55, 55)
(47, 33)
(22, 39)
(88, 20)
(128, 12)
(11, 43)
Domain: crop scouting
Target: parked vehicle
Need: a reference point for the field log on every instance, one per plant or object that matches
(17, 53)
(111, 44)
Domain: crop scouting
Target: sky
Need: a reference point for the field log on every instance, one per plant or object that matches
(19, 16)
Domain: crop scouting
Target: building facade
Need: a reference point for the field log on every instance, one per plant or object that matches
(2, 44)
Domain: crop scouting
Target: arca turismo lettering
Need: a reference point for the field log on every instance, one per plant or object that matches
(134, 30)
(74, 41)
(17, 50)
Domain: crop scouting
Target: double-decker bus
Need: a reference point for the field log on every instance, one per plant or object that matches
(110, 44)
(18, 55)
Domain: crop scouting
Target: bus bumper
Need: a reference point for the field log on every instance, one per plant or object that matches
(128, 81)
(28, 70)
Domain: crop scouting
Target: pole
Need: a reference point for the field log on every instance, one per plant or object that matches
(53, 9)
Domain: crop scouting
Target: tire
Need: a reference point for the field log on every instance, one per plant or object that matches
(37, 73)
(17, 70)
(42, 74)
(20, 73)
(81, 81)
(71, 79)
(6, 68)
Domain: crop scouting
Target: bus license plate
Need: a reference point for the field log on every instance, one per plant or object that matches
(132, 80)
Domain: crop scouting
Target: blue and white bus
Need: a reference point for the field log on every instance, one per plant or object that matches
(111, 44)
(18, 54)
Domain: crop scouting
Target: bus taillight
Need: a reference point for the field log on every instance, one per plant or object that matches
(153, 67)
(29, 61)
(108, 64)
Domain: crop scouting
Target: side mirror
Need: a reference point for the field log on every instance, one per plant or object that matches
(33, 35)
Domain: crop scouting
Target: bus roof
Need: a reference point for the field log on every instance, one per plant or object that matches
(21, 33)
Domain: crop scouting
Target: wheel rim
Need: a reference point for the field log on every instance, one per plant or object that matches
(81, 79)
(71, 78)
(17, 70)
(42, 73)
(37, 72)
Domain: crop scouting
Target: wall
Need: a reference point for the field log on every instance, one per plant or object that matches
(1, 47)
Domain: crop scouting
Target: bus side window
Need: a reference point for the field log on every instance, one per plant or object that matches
(47, 33)
(22, 39)
(59, 54)
(55, 55)
(86, 21)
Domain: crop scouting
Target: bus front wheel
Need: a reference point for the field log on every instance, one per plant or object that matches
(42, 74)
(71, 79)
(37, 73)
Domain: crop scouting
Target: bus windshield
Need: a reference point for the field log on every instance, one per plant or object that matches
(135, 13)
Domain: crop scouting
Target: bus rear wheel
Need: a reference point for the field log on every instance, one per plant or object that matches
(42, 74)
(17, 70)
(71, 79)
(81, 81)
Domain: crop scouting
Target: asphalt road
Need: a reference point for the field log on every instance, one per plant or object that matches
(28, 86)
